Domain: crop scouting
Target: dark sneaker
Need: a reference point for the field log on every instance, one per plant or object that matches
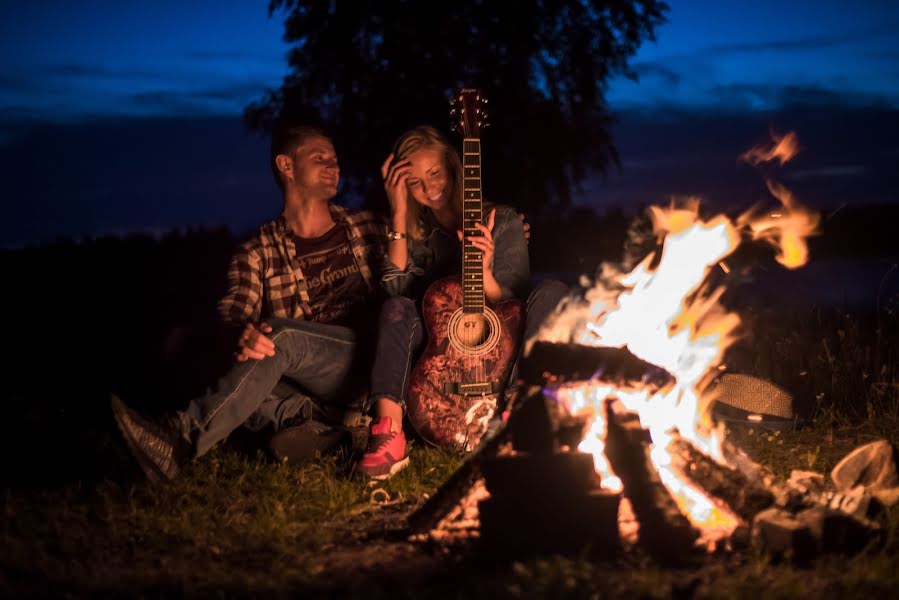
(160, 446)
(385, 455)
(304, 441)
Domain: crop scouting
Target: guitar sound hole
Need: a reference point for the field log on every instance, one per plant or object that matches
(472, 330)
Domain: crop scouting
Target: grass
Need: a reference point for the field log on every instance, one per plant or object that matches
(240, 524)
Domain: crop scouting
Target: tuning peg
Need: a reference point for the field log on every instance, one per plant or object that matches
(484, 101)
(451, 100)
(453, 111)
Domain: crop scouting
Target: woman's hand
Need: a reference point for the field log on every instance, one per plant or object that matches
(484, 242)
(395, 174)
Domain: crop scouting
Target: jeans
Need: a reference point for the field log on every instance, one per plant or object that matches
(323, 360)
(401, 337)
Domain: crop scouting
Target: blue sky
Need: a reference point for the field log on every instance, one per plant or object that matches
(67, 60)
(756, 55)
(100, 69)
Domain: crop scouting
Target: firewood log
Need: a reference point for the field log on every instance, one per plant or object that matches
(729, 487)
(665, 532)
(460, 483)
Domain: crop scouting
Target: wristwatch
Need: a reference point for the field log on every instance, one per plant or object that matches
(395, 235)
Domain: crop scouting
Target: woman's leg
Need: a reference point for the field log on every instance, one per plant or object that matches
(400, 338)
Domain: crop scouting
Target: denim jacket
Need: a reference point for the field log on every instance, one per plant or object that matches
(440, 254)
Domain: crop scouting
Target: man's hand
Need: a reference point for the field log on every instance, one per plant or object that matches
(253, 343)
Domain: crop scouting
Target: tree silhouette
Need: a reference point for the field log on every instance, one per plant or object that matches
(368, 69)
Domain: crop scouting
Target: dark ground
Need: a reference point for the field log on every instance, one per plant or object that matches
(79, 520)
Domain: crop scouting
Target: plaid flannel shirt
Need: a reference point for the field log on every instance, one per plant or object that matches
(265, 279)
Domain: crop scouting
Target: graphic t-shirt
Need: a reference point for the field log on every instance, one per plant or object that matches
(337, 291)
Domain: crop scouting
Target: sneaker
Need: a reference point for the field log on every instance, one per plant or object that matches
(385, 455)
(160, 446)
(300, 442)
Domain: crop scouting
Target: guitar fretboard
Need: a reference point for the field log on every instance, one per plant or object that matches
(472, 212)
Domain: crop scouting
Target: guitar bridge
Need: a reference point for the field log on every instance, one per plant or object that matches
(486, 388)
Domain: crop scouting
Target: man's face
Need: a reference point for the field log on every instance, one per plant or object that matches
(315, 168)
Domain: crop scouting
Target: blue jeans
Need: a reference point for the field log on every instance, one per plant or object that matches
(401, 337)
(322, 360)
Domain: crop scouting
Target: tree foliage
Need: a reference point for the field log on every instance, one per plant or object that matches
(368, 69)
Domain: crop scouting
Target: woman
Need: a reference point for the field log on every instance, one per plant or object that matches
(423, 182)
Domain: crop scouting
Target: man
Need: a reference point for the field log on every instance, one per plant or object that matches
(302, 290)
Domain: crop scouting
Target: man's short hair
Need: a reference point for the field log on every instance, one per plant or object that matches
(286, 139)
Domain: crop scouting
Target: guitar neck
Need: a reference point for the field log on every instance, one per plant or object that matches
(472, 212)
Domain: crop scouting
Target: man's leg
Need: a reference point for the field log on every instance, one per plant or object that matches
(317, 356)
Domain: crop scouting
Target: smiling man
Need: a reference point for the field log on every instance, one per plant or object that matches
(302, 291)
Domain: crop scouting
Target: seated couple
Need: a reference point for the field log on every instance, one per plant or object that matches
(307, 292)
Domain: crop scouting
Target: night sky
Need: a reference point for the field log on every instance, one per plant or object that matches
(124, 116)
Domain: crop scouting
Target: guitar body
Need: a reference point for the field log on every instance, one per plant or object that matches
(457, 381)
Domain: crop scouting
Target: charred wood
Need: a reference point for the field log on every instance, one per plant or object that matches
(549, 362)
(463, 480)
(729, 487)
(665, 532)
(551, 523)
(527, 478)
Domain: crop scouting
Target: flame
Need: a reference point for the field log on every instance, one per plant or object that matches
(782, 149)
(666, 312)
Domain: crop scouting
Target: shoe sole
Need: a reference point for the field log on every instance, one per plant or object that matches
(121, 416)
(394, 469)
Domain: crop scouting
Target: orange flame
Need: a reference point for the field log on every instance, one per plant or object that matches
(665, 312)
(783, 149)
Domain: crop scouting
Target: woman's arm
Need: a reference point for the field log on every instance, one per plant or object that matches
(506, 266)
(511, 268)
(395, 174)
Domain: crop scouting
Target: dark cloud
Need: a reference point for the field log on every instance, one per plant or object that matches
(134, 174)
(235, 56)
(743, 95)
(645, 70)
(847, 156)
(803, 44)
(199, 101)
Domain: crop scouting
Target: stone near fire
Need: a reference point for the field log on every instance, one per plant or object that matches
(887, 497)
(810, 481)
(812, 532)
(872, 465)
(780, 533)
(838, 532)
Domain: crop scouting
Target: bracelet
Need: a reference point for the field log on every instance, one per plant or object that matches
(396, 235)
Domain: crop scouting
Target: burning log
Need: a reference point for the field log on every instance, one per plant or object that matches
(729, 487)
(525, 414)
(664, 531)
(552, 362)
(548, 521)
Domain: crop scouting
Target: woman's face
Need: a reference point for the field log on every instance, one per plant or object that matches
(429, 180)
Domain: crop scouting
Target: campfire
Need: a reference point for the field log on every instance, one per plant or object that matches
(611, 438)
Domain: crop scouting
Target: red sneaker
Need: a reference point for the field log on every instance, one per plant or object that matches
(386, 452)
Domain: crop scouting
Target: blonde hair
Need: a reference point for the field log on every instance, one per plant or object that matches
(427, 137)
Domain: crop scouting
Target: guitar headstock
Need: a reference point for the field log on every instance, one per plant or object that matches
(469, 112)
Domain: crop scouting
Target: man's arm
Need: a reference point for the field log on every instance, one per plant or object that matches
(242, 303)
(241, 306)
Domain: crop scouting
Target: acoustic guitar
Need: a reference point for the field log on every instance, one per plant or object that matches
(472, 343)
